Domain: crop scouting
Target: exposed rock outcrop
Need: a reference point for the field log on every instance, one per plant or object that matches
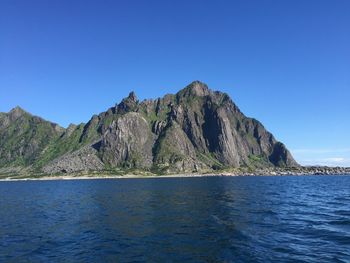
(84, 159)
(128, 142)
(195, 130)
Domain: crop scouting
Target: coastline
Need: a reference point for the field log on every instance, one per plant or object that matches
(300, 171)
(102, 177)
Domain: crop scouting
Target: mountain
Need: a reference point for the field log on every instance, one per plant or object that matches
(23, 137)
(194, 130)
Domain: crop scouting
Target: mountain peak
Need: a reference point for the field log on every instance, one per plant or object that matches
(17, 109)
(196, 88)
(132, 96)
(128, 104)
(17, 112)
(195, 130)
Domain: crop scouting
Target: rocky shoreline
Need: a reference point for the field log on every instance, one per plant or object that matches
(243, 171)
(302, 170)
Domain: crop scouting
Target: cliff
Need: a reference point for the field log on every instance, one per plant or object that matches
(194, 130)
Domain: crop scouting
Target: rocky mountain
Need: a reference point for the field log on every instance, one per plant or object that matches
(23, 137)
(194, 130)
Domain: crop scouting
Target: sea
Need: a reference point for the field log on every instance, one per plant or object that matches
(196, 219)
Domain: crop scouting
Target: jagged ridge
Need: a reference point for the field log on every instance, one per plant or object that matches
(195, 130)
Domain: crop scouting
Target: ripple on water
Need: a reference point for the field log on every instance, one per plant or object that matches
(221, 219)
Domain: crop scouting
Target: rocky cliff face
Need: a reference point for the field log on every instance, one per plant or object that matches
(127, 142)
(195, 130)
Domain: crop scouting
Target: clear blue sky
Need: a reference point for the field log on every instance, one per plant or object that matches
(286, 63)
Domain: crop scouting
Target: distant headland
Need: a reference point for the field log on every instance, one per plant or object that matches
(195, 131)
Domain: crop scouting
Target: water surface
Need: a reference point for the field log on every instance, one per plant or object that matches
(207, 219)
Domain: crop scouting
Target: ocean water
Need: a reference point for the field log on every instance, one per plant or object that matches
(207, 219)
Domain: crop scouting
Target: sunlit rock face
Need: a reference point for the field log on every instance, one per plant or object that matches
(194, 130)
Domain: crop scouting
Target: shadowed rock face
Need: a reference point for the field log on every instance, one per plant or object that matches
(196, 129)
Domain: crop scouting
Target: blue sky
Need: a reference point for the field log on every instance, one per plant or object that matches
(286, 63)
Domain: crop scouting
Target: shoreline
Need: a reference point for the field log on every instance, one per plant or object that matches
(96, 177)
(242, 171)
(101, 177)
(135, 176)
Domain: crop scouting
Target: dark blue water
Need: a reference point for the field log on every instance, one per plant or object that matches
(221, 219)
